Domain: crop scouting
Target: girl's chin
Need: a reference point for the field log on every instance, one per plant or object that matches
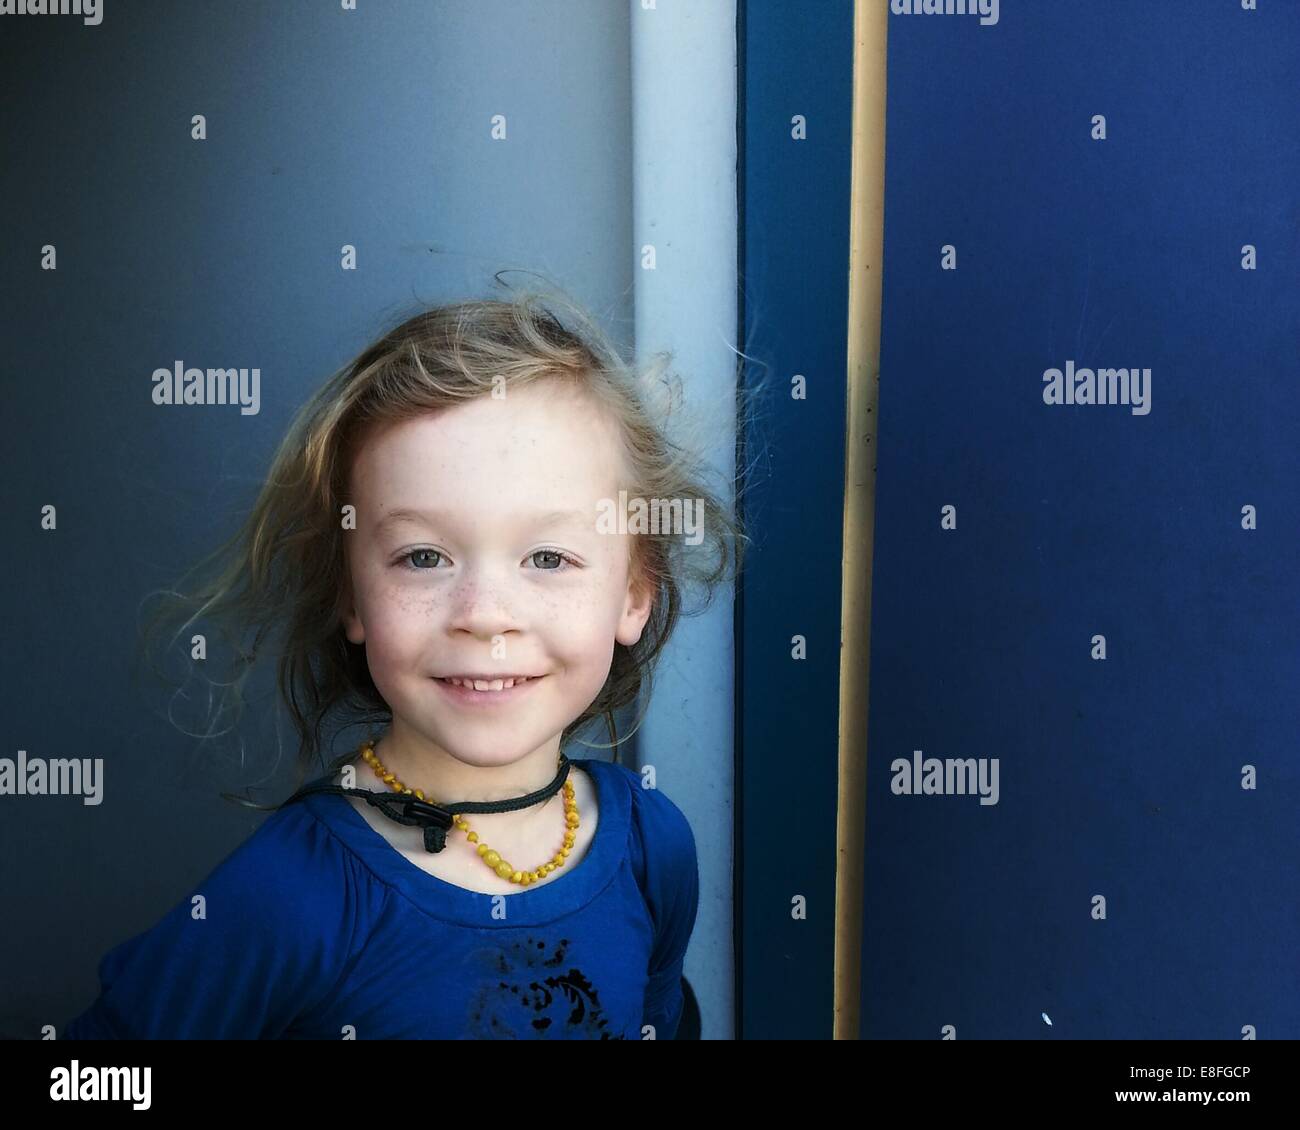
(485, 751)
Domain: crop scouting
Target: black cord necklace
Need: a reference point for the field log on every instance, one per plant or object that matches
(435, 819)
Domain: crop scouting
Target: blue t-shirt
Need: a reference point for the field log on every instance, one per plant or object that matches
(317, 928)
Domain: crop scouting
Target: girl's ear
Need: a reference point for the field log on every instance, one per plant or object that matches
(352, 626)
(636, 610)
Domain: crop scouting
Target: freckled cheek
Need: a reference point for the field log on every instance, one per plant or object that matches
(398, 626)
(575, 612)
(581, 635)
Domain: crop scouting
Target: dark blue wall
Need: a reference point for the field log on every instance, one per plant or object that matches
(1118, 777)
(797, 60)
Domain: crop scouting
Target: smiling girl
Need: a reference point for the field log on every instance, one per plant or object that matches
(431, 543)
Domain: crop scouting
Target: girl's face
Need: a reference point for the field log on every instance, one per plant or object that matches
(476, 551)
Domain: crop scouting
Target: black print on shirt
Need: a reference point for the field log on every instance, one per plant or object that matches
(535, 997)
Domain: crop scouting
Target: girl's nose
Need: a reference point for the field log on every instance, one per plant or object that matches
(484, 608)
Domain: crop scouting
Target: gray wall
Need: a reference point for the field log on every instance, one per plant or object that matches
(325, 127)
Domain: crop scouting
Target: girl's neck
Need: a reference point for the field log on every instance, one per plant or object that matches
(423, 765)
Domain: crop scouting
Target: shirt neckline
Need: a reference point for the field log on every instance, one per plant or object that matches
(530, 906)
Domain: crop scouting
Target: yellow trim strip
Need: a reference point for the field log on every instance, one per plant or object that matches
(866, 248)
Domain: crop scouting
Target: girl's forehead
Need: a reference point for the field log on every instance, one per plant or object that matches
(546, 408)
(512, 444)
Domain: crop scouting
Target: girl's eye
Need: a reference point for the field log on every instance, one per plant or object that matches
(552, 553)
(415, 553)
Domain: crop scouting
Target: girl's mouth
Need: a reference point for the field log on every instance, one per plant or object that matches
(496, 692)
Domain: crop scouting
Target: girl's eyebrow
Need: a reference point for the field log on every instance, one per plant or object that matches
(434, 517)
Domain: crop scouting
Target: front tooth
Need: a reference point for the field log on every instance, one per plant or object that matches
(488, 684)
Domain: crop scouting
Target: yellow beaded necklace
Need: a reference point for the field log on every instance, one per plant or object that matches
(491, 858)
